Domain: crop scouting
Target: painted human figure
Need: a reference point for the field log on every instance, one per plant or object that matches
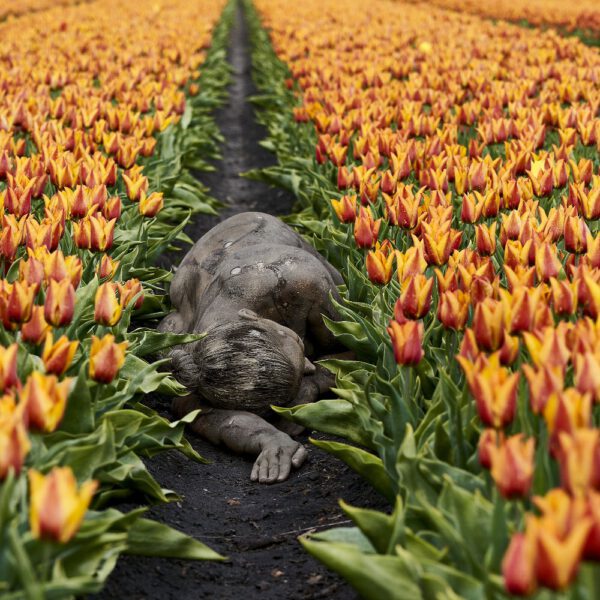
(258, 291)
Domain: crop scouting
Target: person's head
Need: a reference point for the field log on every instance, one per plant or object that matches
(245, 364)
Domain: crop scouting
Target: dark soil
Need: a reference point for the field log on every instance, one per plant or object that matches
(255, 525)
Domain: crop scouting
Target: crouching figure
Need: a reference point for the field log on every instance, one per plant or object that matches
(258, 291)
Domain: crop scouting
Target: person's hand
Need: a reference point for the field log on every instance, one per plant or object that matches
(278, 455)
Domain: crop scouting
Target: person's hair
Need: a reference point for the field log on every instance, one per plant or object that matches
(237, 366)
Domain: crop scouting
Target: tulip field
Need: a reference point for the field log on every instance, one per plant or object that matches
(448, 165)
(445, 157)
(100, 124)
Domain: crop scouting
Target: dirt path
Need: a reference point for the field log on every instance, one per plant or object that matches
(255, 526)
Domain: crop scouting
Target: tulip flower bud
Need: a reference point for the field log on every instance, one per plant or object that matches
(345, 208)
(31, 271)
(566, 412)
(106, 358)
(135, 186)
(576, 234)
(14, 442)
(129, 290)
(559, 555)
(56, 505)
(8, 367)
(107, 267)
(35, 330)
(587, 373)
(102, 233)
(366, 229)
(107, 310)
(410, 263)
(453, 309)
(45, 399)
(542, 382)
(519, 565)
(547, 263)
(416, 296)
(485, 239)
(488, 324)
(579, 460)
(60, 302)
(512, 465)
(379, 266)
(149, 206)
(494, 389)
(20, 302)
(407, 341)
(82, 233)
(58, 356)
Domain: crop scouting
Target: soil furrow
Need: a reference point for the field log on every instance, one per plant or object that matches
(256, 526)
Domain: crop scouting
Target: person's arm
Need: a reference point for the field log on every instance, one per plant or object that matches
(247, 433)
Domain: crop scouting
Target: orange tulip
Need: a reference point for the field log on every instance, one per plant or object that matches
(8, 367)
(20, 302)
(106, 358)
(566, 412)
(519, 564)
(587, 374)
(380, 266)
(35, 330)
(14, 442)
(512, 465)
(56, 505)
(149, 206)
(559, 555)
(453, 309)
(107, 309)
(135, 186)
(485, 239)
(547, 263)
(410, 263)
(579, 460)
(415, 299)
(407, 341)
(45, 399)
(101, 233)
(488, 324)
(366, 229)
(542, 381)
(129, 290)
(345, 208)
(494, 389)
(58, 356)
(60, 302)
(107, 267)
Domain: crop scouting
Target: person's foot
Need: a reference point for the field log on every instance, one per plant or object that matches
(278, 455)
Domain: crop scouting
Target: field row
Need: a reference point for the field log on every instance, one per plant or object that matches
(448, 165)
(101, 120)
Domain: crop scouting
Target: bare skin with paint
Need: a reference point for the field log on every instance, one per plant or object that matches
(259, 291)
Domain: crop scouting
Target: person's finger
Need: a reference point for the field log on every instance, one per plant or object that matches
(254, 474)
(273, 469)
(263, 472)
(299, 456)
(285, 466)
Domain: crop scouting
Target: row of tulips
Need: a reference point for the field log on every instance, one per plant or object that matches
(582, 15)
(100, 124)
(10, 10)
(454, 179)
